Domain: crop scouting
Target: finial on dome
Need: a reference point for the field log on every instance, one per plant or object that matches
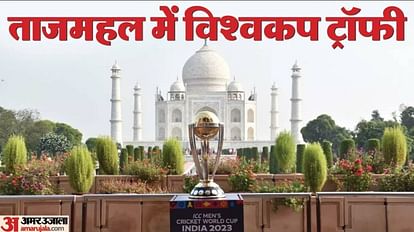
(205, 42)
(137, 86)
(234, 77)
(115, 65)
(295, 66)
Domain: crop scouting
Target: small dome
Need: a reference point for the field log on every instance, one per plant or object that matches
(177, 86)
(235, 86)
(115, 66)
(205, 71)
(296, 67)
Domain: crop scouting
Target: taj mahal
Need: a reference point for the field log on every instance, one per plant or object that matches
(206, 85)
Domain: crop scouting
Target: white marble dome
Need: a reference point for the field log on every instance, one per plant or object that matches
(235, 86)
(206, 71)
(177, 86)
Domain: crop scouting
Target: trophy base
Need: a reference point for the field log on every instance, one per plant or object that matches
(207, 189)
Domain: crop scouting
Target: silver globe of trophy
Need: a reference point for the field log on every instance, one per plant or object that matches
(205, 128)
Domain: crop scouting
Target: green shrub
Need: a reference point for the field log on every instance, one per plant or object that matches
(136, 153)
(156, 155)
(327, 151)
(145, 171)
(141, 153)
(394, 146)
(242, 179)
(189, 183)
(14, 153)
(401, 181)
(355, 175)
(285, 152)
(31, 179)
(347, 148)
(54, 144)
(255, 154)
(107, 153)
(259, 167)
(273, 161)
(123, 186)
(149, 153)
(91, 144)
(300, 149)
(173, 157)
(373, 146)
(295, 203)
(314, 167)
(130, 150)
(239, 152)
(246, 153)
(123, 159)
(226, 166)
(80, 169)
(265, 153)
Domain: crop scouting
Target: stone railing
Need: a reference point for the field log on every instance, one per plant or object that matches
(323, 212)
(171, 183)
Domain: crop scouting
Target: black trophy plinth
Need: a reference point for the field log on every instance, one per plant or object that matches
(217, 214)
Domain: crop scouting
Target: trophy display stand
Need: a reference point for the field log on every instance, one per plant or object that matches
(209, 214)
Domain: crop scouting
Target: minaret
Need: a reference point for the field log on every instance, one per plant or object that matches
(137, 128)
(116, 116)
(295, 119)
(274, 114)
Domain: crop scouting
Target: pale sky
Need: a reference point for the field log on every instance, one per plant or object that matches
(69, 81)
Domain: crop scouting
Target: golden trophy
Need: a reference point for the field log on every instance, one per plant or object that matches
(205, 128)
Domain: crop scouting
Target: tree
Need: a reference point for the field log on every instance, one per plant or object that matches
(314, 167)
(80, 169)
(73, 135)
(36, 131)
(27, 123)
(8, 124)
(285, 152)
(91, 144)
(347, 149)
(373, 129)
(54, 144)
(373, 146)
(407, 120)
(376, 116)
(272, 160)
(327, 151)
(14, 153)
(300, 151)
(394, 146)
(107, 153)
(324, 128)
(25, 119)
(407, 117)
(173, 156)
(123, 160)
